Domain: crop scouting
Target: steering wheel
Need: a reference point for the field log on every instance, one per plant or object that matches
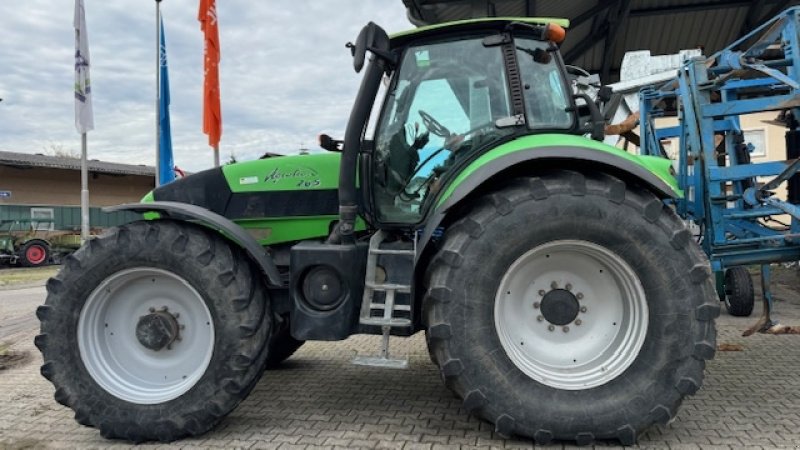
(433, 125)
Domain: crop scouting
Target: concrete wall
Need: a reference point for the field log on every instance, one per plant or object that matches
(58, 187)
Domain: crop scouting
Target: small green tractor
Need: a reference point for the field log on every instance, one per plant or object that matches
(21, 242)
(560, 296)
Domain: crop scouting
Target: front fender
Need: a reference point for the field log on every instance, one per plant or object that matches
(233, 232)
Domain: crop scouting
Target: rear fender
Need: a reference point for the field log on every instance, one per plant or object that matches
(22, 243)
(553, 157)
(231, 231)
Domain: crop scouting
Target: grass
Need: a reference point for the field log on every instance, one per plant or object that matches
(23, 276)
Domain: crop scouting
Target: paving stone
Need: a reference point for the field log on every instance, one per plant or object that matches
(318, 400)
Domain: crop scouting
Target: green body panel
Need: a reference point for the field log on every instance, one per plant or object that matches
(532, 20)
(285, 173)
(289, 229)
(658, 166)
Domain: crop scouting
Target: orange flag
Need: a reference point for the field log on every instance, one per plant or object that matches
(212, 112)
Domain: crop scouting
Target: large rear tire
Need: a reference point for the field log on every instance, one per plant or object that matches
(571, 307)
(154, 331)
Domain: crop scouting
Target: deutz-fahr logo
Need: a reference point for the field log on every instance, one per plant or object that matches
(307, 177)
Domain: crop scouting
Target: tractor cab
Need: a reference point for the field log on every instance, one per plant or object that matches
(451, 94)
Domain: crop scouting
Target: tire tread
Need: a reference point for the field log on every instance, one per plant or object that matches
(540, 188)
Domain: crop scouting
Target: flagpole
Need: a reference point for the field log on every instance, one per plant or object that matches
(84, 190)
(158, 93)
(216, 155)
(84, 116)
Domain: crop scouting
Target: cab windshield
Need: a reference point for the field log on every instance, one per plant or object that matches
(444, 104)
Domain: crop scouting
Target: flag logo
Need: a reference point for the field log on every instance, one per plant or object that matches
(84, 116)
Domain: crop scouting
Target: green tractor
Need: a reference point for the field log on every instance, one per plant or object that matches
(22, 242)
(560, 295)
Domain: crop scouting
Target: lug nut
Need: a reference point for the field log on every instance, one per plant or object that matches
(540, 318)
(565, 329)
(578, 322)
(542, 292)
(579, 296)
(583, 309)
(553, 285)
(551, 328)
(568, 287)
(536, 305)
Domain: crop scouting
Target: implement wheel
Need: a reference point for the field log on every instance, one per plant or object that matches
(154, 331)
(571, 307)
(740, 296)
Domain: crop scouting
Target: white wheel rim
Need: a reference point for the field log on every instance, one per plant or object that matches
(113, 355)
(604, 338)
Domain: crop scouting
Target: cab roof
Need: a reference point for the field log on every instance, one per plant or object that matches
(489, 22)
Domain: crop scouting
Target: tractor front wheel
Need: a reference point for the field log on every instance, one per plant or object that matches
(154, 331)
(570, 307)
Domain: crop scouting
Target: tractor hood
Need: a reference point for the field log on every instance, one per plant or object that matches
(285, 186)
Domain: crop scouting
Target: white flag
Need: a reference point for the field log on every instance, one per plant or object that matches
(84, 117)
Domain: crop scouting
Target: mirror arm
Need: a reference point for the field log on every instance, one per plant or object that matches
(598, 123)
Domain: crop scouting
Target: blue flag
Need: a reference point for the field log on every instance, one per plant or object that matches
(166, 162)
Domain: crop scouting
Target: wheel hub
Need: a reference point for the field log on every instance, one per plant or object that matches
(588, 317)
(560, 307)
(157, 330)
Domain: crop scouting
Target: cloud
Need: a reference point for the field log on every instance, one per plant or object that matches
(285, 75)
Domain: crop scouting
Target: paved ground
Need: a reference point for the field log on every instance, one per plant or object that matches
(751, 398)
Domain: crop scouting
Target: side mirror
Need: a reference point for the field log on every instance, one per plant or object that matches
(597, 124)
(604, 94)
(372, 38)
(330, 144)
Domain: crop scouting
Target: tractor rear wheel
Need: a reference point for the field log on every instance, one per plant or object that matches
(154, 331)
(571, 307)
(34, 253)
(740, 297)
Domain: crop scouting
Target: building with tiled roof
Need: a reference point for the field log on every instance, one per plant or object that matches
(36, 186)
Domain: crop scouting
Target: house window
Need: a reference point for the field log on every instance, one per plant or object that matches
(46, 215)
(758, 138)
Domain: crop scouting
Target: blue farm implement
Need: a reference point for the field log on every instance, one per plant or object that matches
(731, 198)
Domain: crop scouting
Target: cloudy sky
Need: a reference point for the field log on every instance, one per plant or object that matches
(285, 75)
